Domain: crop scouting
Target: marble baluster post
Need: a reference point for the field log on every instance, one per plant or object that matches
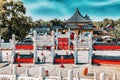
(80, 38)
(52, 47)
(114, 77)
(41, 73)
(75, 52)
(102, 76)
(57, 39)
(14, 72)
(95, 76)
(90, 49)
(70, 74)
(0, 41)
(68, 39)
(60, 75)
(77, 76)
(13, 48)
(35, 46)
(27, 72)
(14, 69)
(0, 50)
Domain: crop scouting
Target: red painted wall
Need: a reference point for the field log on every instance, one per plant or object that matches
(102, 61)
(65, 61)
(99, 47)
(24, 60)
(63, 43)
(25, 47)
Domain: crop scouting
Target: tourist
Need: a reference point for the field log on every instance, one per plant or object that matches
(7, 55)
(42, 58)
(38, 59)
(31, 54)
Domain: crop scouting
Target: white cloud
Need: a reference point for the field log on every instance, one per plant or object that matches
(102, 3)
(100, 18)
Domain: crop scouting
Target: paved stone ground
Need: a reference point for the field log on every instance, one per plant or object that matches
(109, 70)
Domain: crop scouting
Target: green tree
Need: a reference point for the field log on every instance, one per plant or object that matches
(116, 32)
(98, 25)
(57, 22)
(13, 19)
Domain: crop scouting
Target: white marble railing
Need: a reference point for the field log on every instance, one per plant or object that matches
(28, 78)
(45, 76)
(6, 77)
(6, 45)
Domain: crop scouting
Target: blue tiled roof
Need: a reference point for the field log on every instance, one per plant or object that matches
(77, 17)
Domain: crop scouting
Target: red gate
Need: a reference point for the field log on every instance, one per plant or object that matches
(63, 43)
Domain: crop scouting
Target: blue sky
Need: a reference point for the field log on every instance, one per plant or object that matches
(97, 10)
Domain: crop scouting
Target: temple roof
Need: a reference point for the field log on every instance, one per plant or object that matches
(87, 27)
(77, 17)
(83, 27)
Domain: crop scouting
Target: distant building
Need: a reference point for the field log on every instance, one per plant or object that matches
(108, 28)
(79, 23)
(40, 30)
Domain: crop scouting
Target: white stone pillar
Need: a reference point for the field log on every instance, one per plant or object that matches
(95, 76)
(0, 50)
(0, 40)
(14, 72)
(114, 77)
(80, 38)
(102, 76)
(57, 39)
(13, 48)
(90, 49)
(41, 73)
(69, 39)
(52, 53)
(45, 35)
(70, 74)
(0, 55)
(52, 48)
(60, 75)
(14, 77)
(14, 69)
(52, 32)
(75, 52)
(27, 72)
(77, 76)
(35, 46)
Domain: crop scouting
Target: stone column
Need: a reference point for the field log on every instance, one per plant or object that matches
(95, 76)
(27, 72)
(41, 73)
(114, 77)
(90, 49)
(57, 39)
(80, 38)
(70, 74)
(68, 39)
(0, 40)
(102, 76)
(60, 75)
(56, 34)
(75, 52)
(13, 48)
(14, 72)
(35, 47)
(0, 50)
(14, 69)
(52, 48)
(77, 76)
(52, 54)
